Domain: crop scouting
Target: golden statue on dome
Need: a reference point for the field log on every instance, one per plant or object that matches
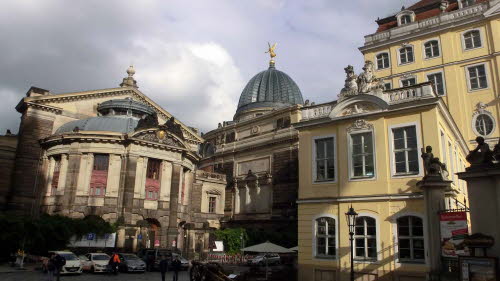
(271, 52)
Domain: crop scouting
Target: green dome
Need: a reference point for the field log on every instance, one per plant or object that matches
(270, 88)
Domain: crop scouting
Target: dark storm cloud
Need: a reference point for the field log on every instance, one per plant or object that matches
(192, 57)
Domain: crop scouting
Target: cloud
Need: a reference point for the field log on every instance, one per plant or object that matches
(192, 57)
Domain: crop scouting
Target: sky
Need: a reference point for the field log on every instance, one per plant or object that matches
(191, 57)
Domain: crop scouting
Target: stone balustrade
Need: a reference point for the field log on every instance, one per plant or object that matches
(411, 93)
(317, 111)
(210, 175)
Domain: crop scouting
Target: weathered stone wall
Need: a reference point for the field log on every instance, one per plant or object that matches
(8, 145)
(34, 126)
(285, 182)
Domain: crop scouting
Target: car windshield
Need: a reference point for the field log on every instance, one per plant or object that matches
(100, 257)
(69, 256)
(130, 257)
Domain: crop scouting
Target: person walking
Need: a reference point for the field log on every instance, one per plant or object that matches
(51, 268)
(176, 266)
(163, 267)
(114, 262)
(59, 262)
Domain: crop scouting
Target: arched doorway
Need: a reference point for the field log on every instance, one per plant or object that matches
(149, 233)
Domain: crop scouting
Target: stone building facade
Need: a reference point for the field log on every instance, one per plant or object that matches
(258, 153)
(116, 154)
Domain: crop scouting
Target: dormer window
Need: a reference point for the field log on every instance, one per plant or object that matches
(466, 3)
(405, 17)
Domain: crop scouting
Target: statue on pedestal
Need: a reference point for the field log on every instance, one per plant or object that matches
(432, 165)
(367, 81)
(350, 86)
(481, 154)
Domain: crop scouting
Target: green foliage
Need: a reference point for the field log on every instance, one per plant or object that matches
(37, 236)
(231, 238)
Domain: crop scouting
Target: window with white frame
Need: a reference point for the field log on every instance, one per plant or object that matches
(362, 155)
(405, 150)
(410, 239)
(365, 239)
(406, 55)
(443, 146)
(477, 77)
(383, 61)
(452, 164)
(432, 49)
(324, 159)
(437, 82)
(405, 19)
(466, 3)
(472, 39)
(406, 82)
(212, 204)
(325, 237)
(483, 124)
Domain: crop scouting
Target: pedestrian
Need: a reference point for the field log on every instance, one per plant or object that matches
(163, 267)
(176, 266)
(150, 259)
(59, 262)
(51, 267)
(114, 261)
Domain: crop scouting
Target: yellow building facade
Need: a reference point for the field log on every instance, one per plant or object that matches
(437, 64)
(457, 48)
(364, 151)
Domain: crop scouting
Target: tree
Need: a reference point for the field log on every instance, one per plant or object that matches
(232, 239)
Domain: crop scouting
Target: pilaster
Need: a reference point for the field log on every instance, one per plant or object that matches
(63, 172)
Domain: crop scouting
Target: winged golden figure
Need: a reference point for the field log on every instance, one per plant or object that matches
(271, 50)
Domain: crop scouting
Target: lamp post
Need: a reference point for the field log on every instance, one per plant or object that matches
(351, 216)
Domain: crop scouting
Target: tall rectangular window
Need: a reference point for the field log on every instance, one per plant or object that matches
(405, 151)
(212, 204)
(406, 55)
(324, 159)
(383, 61)
(431, 49)
(437, 82)
(362, 158)
(99, 178)
(477, 77)
(410, 239)
(472, 39)
(153, 179)
(452, 162)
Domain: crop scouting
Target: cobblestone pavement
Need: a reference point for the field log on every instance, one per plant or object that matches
(39, 276)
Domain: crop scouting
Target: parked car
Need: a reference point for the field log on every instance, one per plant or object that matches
(184, 262)
(95, 262)
(153, 256)
(72, 265)
(131, 263)
(261, 259)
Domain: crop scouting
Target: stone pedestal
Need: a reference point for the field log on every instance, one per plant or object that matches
(434, 188)
(483, 185)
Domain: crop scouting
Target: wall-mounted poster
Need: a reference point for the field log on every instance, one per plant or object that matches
(478, 268)
(453, 231)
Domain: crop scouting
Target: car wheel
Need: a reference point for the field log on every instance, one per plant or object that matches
(92, 269)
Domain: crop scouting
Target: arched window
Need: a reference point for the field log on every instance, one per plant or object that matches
(432, 49)
(325, 237)
(472, 39)
(484, 124)
(410, 239)
(405, 19)
(383, 61)
(365, 239)
(406, 55)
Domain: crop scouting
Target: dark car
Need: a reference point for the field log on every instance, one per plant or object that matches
(131, 263)
(152, 257)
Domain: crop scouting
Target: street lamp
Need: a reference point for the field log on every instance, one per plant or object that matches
(351, 216)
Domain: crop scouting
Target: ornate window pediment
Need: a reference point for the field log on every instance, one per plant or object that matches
(359, 125)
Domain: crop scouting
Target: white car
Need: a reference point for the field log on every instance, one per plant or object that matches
(72, 266)
(95, 262)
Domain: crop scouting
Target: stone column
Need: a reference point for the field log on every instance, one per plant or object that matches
(483, 185)
(176, 185)
(434, 188)
(236, 200)
(63, 172)
(114, 171)
(166, 183)
(50, 174)
(75, 181)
